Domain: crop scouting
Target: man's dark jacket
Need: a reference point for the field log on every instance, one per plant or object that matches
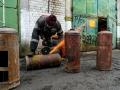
(44, 31)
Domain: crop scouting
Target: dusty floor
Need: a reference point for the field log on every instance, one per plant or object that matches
(88, 79)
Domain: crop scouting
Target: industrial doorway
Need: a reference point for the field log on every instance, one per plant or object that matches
(87, 13)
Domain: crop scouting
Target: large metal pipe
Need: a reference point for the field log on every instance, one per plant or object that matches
(72, 51)
(43, 61)
(104, 50)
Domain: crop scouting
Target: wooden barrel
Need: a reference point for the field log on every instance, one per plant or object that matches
(9, 55)
(72, 51)
(104, 50)
(43, 61)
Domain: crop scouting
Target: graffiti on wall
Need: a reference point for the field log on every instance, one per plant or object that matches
(87, 37)
(78, 21)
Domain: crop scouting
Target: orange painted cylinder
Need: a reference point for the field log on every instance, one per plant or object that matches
(72, 51)
(43, 61)
(9, 58)
(104, 50)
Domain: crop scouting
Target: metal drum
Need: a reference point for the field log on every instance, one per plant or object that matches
(104, 50)
(43, 61)
(9, 55)
(72, 51)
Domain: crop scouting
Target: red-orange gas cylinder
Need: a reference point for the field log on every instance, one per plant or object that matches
(104, 50)
(72, 51)
(43, 61)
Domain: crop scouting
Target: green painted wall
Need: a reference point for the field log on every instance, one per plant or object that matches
(86, 12)
(11, 14)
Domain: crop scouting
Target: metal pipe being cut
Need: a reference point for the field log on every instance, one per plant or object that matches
(43, 61)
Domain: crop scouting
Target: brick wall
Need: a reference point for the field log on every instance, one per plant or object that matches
(31, 11)
(57, 7)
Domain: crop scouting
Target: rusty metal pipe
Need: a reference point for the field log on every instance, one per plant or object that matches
(43, 61)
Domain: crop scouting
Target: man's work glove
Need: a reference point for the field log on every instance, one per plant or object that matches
(54, 37)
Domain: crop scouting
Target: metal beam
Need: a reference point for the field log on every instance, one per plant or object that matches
(3, 12)
(3, 16)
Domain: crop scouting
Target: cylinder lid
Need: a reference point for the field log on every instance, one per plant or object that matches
(72, 33)
(7, 30)
(105, 32)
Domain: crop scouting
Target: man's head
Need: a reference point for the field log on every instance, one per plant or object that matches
(51, 20)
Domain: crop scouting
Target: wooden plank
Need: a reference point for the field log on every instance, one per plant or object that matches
(3, 68)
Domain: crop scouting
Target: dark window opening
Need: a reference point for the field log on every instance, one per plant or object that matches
(3, 76)
(3, 58)
(102, 24)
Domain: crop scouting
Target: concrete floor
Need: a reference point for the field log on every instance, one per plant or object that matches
(87, 79)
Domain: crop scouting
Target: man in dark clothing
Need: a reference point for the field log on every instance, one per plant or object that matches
(45, 27)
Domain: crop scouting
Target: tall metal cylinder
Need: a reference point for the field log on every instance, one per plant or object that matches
(43, 61)
(104, 50)
(9, 58)
(72, 51)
